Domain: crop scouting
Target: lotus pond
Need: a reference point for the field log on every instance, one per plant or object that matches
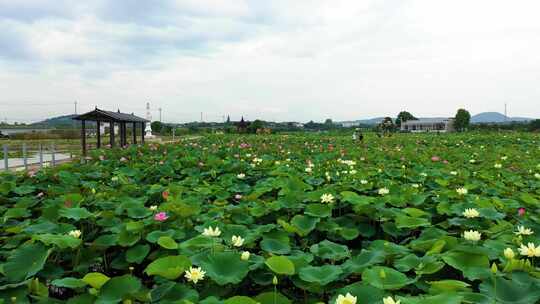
(276, 219)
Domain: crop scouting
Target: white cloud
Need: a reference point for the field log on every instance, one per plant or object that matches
(280, 60)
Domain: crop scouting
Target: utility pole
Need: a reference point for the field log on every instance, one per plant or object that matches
(159, 114)
(201, 117)
(505, 113)
(75, 107)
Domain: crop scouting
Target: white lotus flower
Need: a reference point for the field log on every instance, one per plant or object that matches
(384, 191)
(471, 213)
(308, 170)
(363, 181)
(327, 198)
(347, 299)
(194, 274)
(472, 235)
(497, 166)
(153, 207)
(241, 176)
(211, 231)
(523, 231)
(75, 233)
(390, 300)
(415, 185)
(537, 175)
(453, 172)
(462, 191)
(245, 256)
(509, 253)
(237, 241)
(530, 250)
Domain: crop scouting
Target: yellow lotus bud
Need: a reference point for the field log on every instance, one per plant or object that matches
(494, 268)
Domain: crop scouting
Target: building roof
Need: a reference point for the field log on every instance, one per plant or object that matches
(426, 121)
(102, 115)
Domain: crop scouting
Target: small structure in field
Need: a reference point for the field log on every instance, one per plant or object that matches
(148, 130)
(428, 125)
(111, 118)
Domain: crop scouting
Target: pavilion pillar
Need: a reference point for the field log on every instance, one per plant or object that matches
(111, 133)
(134, 133)
(124, 135)
(121, 131)
(142, 133)
(83, 137)
(98, 125)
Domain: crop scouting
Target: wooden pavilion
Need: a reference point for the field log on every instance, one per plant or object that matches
(112, 118)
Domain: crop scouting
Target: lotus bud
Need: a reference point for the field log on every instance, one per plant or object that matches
(494, 268)
(382, 274)
(274, 280)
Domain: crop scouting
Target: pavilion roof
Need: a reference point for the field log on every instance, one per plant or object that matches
(103, 115)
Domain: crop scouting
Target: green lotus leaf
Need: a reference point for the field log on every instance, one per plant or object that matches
(240, 300)
(25, 262)
(403, 221)
(385, 278)
(448, 286)
(167, 242)
(197, 244)
(321, 275)
(225, 267)
(330, 250)
(95, 279)
(137, 253)
(365, 259)
(170, 292)
(447, 298)
(473, 265)
(355, 199)
(170, 267)
(69, 283)
(520, 289)
(61, 241)
(318, 210)
(272, 298)
(118, 288)
(75, 213)
(366, 294)
(276, 242)
(280, 265)
(304, 224)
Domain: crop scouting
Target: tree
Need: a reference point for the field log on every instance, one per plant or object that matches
(328, 121)
(404, 116)
(156, 126)
(255, 125)
(462, 120)
(534, 125)
(387, 125)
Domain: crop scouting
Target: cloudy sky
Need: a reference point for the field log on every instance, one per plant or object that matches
(276, 60)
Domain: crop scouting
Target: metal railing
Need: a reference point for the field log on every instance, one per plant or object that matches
(18, 157)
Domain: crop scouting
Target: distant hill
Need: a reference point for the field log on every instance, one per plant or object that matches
(485, 117)
(495, 117)
(55, 122)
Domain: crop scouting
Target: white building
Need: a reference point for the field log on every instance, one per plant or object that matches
(348, 124)
(428, 125)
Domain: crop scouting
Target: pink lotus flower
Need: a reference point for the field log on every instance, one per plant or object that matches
(435, 158)
(161, 216)
(40, 194)
(238, 197)
(521, 211)
(165, 194)
(445, 161)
